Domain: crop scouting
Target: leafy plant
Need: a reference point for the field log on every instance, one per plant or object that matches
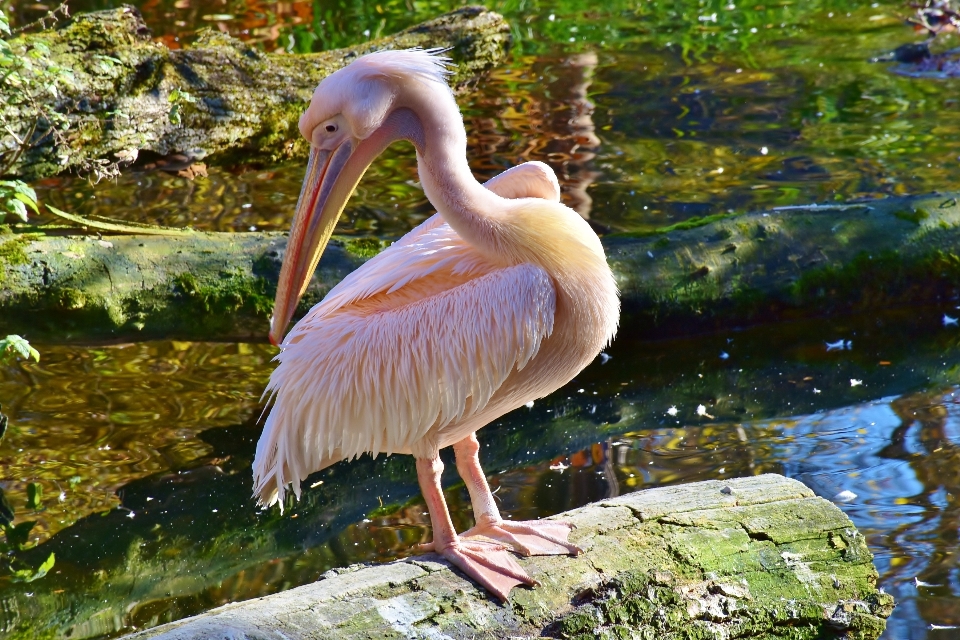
(11, 348)
(16, 538)
(29, 575)
(16, 197)
(14, 346)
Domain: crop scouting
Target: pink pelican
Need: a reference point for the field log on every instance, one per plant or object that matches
(499, 299)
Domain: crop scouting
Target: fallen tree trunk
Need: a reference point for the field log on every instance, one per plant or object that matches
(236, 104)
(756, 557)
(731, 271)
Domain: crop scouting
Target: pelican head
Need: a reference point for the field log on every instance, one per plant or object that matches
(355, 113)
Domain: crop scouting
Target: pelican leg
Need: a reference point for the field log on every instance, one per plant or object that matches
(528, 538)
(486, 562)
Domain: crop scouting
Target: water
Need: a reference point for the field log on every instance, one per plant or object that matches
(143, 451)
(650, 114)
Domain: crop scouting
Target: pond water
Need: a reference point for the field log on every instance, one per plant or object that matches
(652, 113)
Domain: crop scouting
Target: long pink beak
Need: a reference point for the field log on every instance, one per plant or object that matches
(330, 180)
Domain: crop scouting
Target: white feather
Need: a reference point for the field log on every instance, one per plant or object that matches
(362, 372)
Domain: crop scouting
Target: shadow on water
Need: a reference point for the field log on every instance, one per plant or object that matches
(185, 536)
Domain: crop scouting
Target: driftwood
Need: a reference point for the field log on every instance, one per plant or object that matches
(700, 275)
(240, 105)
(756, 557)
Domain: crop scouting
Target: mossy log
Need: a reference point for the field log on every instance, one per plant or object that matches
(701, 275)
(246, 103)
(756, 557)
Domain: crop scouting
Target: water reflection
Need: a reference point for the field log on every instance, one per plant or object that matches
(644, 127)
(85, 422)
(160, 523)
(547, 117)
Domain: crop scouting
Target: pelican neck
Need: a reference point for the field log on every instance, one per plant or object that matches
(469, 208)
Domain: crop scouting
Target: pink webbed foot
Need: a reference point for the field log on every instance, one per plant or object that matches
(487, 563)
(530, 537)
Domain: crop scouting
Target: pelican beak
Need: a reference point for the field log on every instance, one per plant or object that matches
(332, 176)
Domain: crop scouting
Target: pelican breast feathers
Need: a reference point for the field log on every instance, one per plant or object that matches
(419, 338)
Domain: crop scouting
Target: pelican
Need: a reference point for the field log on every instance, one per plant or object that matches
(500, 298)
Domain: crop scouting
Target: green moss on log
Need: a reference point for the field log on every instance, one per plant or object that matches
(247, 105)
(12, 250)
(733, 271)
(745, 558)
(877, 276)
(915, 216)
(12, 254)
(227, 294)
(365, 247)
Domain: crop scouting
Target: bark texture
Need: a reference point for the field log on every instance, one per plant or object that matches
(246, 102)
(701, 275)
(757, 557)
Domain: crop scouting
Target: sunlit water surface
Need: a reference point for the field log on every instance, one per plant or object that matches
(143, 455)
(651, 113)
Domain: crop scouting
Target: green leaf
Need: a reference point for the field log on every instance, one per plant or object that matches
(34, 491)
(26, 575)
(179, 95)
(27, 200)
(4, 24)
(23, 188)
(44, 568)
(14, 345)
(174, 115)
(18, 208)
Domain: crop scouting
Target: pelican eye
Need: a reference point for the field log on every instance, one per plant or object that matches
(331, 128)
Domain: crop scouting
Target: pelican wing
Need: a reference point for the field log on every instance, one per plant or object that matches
(433, 247)
(420, 337)
(532, 179)
(432, 254)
